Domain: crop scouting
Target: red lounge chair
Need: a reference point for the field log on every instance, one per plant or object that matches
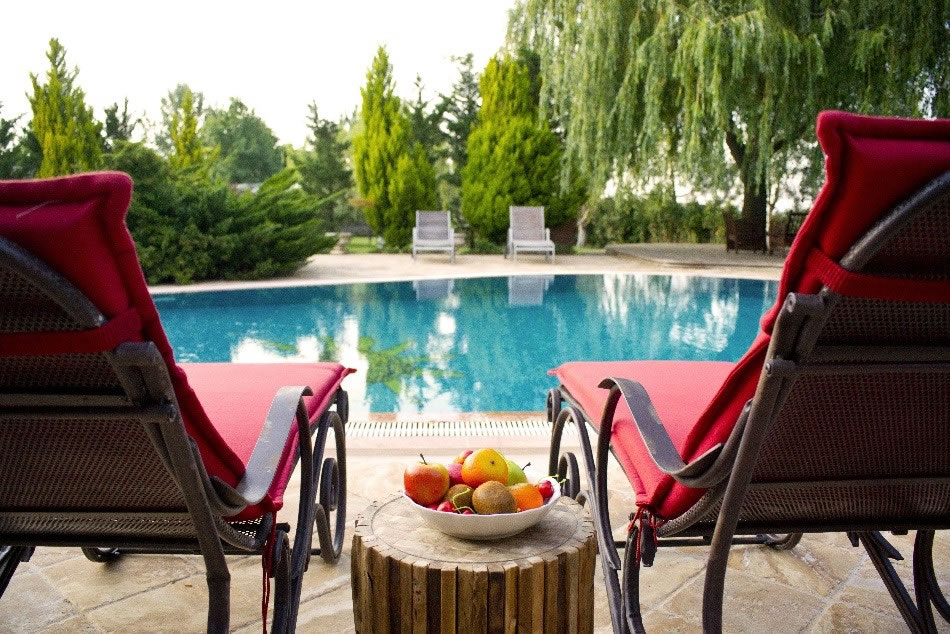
(838, 416)
(107, 444)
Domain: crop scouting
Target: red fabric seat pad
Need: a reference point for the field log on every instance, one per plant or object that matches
(679, 390)
(871, 165)
(237, 397)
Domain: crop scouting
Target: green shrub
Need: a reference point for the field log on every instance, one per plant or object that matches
(189, 228)
(654, 218)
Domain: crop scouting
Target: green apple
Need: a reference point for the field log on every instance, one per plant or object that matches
(515, 474)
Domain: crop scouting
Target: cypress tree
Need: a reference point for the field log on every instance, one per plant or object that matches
(69, 137)
(377, 151)
(513, 158)
(183, 132)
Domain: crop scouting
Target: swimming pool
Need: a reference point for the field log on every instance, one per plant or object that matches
(469, 345)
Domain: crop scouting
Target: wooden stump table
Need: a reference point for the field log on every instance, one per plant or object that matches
(408, 577)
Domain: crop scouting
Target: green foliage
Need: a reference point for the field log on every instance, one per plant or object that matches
(424, 123)
(323, 168)
(119, 125)
(188, 227)
(70, 139)
(460, 108)
(186, 148)
(727, 89)
(658, 217)
(382, 156)
(171, 106)
(412, 187)
(513, 159)
(248, 148)
(12, 151)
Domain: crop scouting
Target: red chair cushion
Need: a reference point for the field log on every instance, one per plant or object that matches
(237, 397)
(871, 164)
(680, 391)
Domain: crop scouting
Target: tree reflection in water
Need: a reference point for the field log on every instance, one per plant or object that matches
(469, 349)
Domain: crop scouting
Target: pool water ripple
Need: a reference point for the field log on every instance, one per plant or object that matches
(469, 345)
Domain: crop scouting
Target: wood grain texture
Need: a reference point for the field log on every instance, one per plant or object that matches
(410, 578)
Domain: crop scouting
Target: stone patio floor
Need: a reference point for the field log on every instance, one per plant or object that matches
(823, 585)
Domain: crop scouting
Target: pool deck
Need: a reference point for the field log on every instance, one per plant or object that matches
(823, 585)
(667, 259)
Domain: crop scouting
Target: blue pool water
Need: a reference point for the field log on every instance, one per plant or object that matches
(469, 345)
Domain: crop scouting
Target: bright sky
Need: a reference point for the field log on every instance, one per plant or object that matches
(275, 56)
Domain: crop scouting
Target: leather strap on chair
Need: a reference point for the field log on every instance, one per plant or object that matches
(849, 283)
(126, 326)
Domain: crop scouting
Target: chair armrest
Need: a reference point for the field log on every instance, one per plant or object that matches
(415, 233)
(547, 233)
(655, 437)
(286, 409)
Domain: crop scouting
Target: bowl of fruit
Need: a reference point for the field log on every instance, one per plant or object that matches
(479, 495)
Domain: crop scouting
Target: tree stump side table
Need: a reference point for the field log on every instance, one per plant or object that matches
(408, 577)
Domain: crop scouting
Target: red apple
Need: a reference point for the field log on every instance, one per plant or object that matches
(455, 473)
(446, 506)
(467, 512)
(425, 482)
(459, 459)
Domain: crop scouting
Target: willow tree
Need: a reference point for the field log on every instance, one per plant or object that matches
(727, 89)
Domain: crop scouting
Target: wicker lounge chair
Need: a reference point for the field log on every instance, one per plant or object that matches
(527, 233)
(433, 232)
(107, 444)
(836, 419)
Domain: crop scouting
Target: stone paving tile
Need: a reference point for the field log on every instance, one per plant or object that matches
(752, 605)
(823, 585)
(31, 603)
(88, 585)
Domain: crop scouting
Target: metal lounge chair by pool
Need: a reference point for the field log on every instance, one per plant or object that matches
(837, 419)
(433, 232)
(527, 233)
(108, 444)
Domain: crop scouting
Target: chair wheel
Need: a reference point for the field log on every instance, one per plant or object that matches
(101, 555)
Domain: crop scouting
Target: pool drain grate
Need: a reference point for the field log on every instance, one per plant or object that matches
(535, 427)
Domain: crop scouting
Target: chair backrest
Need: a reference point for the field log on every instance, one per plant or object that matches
(872, 165)
(433, 225)
(83, 364)
(861, 376)
(527, 223)
(70, 438)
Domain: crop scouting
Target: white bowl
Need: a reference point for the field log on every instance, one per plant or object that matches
(485, 527)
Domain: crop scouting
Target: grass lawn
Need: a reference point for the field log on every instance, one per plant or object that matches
(361, 244)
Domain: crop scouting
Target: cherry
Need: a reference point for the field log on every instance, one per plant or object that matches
(546, 489)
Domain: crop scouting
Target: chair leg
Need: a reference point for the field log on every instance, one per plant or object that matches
(10, 558)
(881, 552)
(101, 555)
(286, 591)
(332, 490)
(925, 581)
